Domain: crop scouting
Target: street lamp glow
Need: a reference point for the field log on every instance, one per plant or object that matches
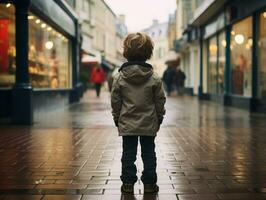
(49, 29)
(38, 21)
(8, 5)
(49, 45)
(30, 17)
(239, 38)
(43, 25)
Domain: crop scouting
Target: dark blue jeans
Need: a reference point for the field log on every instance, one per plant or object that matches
(148, 155)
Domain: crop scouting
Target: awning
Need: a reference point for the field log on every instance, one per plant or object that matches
(89, 59)
(207, 10)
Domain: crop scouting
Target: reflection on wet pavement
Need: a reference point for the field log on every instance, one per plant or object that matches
(205, 151)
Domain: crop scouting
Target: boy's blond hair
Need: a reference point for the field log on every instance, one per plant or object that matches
(138, 47)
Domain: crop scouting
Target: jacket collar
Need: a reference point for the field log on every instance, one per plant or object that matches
(126, 64)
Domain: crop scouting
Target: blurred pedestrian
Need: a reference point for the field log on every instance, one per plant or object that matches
(168, 79)
(137, 100)
(180, 78)
(98, 78)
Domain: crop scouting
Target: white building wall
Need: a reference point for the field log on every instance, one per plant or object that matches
(104, 32)
(195, 65)
(158, 33)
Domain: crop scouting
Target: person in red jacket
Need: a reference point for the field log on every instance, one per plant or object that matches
(97, 77)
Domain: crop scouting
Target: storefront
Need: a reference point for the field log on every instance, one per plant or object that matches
(39, 58)
(188, 49)
(233, 68)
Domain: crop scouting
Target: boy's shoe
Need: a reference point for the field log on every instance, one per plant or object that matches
(127, 188)
(151, 188)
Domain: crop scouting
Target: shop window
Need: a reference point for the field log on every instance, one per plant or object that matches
(221, 62)
(49, 56)
(262, 57)
(241, 62)
(212, 66)
(7, 45)
(205, 67)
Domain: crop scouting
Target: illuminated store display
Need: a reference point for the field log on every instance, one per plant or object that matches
(241, 62)
(7, 45)
(49, 56)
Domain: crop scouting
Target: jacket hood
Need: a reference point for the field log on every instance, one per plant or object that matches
(136, 72)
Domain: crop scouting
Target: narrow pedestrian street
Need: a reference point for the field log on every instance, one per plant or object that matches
(204, 152)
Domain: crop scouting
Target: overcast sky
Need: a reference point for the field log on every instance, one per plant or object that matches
(140, 13)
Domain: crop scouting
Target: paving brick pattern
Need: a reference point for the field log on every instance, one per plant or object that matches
(204, 152)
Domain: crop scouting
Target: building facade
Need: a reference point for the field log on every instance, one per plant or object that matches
(159, 34)
(102, 34)
(172, 30)
(188, 45)
(39, 59)
(121, 33)
(232, 45)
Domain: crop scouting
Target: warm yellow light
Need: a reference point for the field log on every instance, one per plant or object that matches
(250, 42)
(32, 47)
(213, 49)
(224, 43)
(264, 15)
(38, 21)
(43, 25)
(49, 45)
(8, 5)
(233, 32)
(30, 17)
(49, 29)
(247, 46)
(239, 38)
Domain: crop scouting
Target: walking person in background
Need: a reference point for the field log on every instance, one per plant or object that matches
(180, 78)
(168, 79)
(137, 100)
(97, 78)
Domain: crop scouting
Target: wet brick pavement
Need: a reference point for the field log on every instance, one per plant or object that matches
(205, 152)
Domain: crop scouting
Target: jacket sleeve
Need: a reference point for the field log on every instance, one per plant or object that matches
(160, 99)
(116, 100)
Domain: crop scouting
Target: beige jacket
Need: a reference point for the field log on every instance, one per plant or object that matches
(137, 100)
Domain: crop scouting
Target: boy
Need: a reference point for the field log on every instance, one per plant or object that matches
(137, 100)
